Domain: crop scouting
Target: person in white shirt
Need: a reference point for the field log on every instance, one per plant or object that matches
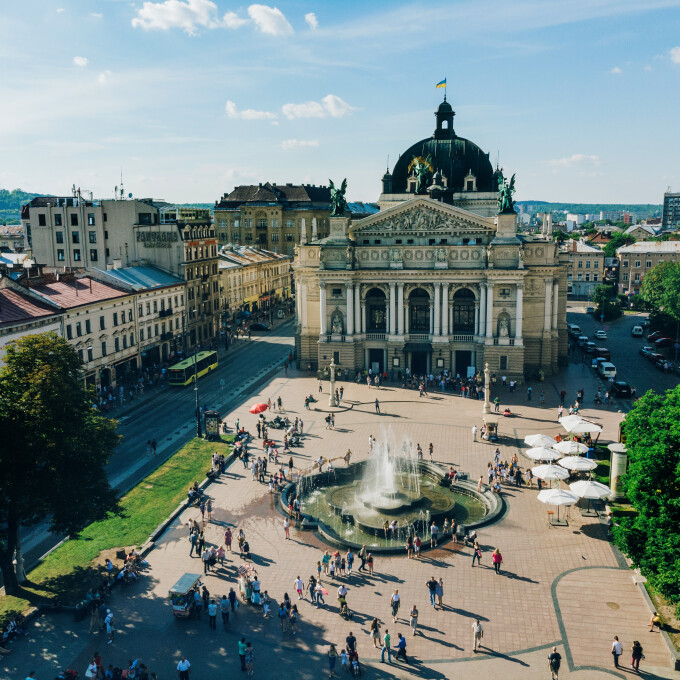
(342, 591)
(477, 634)
(474, 433)
(183, 668)
(299, 586)
(395, 602)
(617, 650)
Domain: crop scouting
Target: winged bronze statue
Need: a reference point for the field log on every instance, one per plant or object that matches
(338, 201)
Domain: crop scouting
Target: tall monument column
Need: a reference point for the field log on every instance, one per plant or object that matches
(350, 309)
(489, 309)
(322, 308)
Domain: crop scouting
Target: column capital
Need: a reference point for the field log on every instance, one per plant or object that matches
(488, 284)
(322, 284)
(520, 285)
(392, 284)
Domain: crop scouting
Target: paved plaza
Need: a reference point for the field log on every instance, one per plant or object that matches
(563, 586)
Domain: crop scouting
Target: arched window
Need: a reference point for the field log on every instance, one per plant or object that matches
(464, 311)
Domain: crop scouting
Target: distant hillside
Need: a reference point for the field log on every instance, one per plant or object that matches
(10, 204)
(640, 209)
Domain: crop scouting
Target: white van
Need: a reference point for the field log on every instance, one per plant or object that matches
(607, 370)
(637, 331)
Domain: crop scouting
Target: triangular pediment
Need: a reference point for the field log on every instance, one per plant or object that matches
(422, 216)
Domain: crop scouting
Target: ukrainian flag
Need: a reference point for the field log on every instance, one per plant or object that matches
(442, 83)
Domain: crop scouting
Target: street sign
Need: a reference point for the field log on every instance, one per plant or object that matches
(601, 317)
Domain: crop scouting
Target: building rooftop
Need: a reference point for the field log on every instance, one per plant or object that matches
(11, 230)
(575, 246)
(77, 292)
(645, 227)
(247, 255)
(650, 247)
(16, 307)
(144, 277)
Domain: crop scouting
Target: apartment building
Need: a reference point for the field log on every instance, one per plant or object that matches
(253, 279)
(11, 238)
(671, 211)
(636, 259)
(586, 268)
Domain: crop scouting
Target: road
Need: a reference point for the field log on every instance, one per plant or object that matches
(168, 416)
(631, 366)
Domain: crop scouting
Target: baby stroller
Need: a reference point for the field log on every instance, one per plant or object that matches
(345, 611)
(354, 664)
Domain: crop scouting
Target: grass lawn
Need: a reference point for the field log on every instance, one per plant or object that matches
(68, 572)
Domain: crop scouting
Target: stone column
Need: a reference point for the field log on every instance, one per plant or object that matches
(350, 309)
(303, 231)
(322, 308)
(556, 290)
(547, 320)
(407, 319)
(437, 309)
(400, 308)
(303, 304)
(363, 316)
(482, 309)
(314, 235)
(489, 309)
(393, 305)
(357, 308)
(519, 313)
(476, 318)
(445, 308)
(431, 318)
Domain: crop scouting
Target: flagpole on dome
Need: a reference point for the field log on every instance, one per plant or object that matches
(442, 84)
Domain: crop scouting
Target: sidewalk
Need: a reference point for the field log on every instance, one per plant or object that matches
(561, 586)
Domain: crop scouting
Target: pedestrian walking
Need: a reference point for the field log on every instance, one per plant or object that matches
(497, 560)
(212, 614)
(375, 633)
(617, 650)
(108, 622)
(477, 635)
(636, 655)
(554, 661)
(299, 586)
(434, 532)
(563, 395)
(401, 648)
(413, 619)
(541, 398)
(440, 592)
(225, 606)
(183, 668)
(560, 412)
(250, 658)
(476, 554)
(432, 589)
(395, 601)
(431, 451)
(474, 433)
(387, 639)
(286, 528)
(529, 393)
(332, 658)
(362, 557)
(377, 406)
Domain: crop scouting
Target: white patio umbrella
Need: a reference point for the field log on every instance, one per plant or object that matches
(577, 463)
(550, 472)
(539, 440)
(570, 448)
(543, 453)
(557, 497)
(590, 489)
(577, 425)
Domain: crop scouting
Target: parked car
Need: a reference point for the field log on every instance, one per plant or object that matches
(582, 340)
(595, 364)
(259, 327)
(602, 352)
(662, 362)
(646, 350)
(655, 335)
(590, 347)
(607, 370)
(590, 310)
(620, 388)
(601, 335)
(654, 357)
(637, 331)
(574, 330)
(663, 342)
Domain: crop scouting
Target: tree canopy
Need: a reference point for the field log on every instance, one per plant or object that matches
(652, 484)
(54, 468)
(618, 239)
(604, 298)
(661, 289)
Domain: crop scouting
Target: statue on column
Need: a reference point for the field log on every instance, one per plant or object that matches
(338, 201)
(506, 204)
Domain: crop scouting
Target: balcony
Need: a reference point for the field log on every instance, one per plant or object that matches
(164, 313)
(166, 336)
(462, 337)
(419, 337)
(375, 336)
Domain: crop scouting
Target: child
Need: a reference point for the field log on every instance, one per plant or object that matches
(332, 568)
(265, 605)
(344, 660)
(343, 566)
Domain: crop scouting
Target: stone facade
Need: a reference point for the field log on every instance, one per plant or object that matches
(431, 287)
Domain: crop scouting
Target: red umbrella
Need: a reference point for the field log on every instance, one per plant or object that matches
(258, 408)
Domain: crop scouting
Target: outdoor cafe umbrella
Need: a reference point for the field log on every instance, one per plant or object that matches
(570, 448)
(577, 425)
(577, 463)
(549, 472)
(557, 497)
(258, 408)
(543, 453)
(590, 489)
(539, 440)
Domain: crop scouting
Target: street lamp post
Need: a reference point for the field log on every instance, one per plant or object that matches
(487, 404)
(199, 433)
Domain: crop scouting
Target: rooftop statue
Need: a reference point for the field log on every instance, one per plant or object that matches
(338, 202)
(422, 169)
(505, 191)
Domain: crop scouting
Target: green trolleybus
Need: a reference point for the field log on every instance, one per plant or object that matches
(184, 372)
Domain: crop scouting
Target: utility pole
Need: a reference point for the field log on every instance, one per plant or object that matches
(199, 433)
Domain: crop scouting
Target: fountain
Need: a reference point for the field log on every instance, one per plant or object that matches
(381, 501)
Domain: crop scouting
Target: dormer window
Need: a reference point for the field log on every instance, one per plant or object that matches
(470, 182)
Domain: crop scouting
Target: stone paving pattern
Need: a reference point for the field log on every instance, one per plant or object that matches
(572, 570)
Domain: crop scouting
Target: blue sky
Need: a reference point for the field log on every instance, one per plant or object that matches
(190, 98)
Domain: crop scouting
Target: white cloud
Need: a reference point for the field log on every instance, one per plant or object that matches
(288, 144)
(269, 20)
(60, 10)
(233, 20)
(80, 61)
(616, 71)
(247, 114)
(96, 15)
(312, 21)
(103, 77)
(647, 68)
(330, 105)
(187, 16)
(675, 55)
(577, 159)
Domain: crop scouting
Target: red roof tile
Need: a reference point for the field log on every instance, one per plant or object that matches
(78, 292)
(15, 307)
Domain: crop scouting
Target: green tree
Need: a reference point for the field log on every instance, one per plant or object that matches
(605, 301)
(55, 445)
(618, 239)
(652, 484)
(661, 289)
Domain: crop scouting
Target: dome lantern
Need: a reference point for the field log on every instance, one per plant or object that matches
(444, 117)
